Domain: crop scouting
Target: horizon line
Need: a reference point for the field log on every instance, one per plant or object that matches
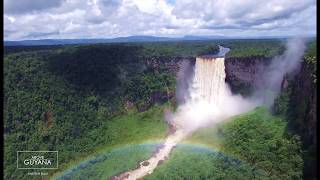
(207, 37)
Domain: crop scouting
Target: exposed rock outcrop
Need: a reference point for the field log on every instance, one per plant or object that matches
(244, 74)
(170, 63)
(302, 115)
(48, 117)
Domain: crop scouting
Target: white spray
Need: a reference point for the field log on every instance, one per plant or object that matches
(286, 64)
(209, 98)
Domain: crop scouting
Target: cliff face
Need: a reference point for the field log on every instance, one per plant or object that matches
(173, 64)
(243, 74)
(302, 116)
(303, 103)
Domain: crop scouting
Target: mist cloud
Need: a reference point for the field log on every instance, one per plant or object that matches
(184, 78)
(286, 64)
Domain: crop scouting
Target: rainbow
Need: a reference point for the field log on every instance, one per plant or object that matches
(151, 145)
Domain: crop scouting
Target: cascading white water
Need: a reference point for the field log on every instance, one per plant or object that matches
(209, 80)
(208, 94)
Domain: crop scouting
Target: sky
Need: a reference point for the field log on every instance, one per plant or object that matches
(80, 19)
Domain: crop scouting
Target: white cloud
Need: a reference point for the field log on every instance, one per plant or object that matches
(34, 19)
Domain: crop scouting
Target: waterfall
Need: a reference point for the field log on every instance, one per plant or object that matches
(209, 101)
(209, 80)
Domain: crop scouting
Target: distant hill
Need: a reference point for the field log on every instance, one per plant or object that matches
(87, 41)
(41, 42)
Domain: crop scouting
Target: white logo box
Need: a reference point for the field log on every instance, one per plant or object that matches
(57, 155)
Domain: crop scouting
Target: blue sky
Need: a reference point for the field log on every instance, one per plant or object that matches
(171, 1)
(39, 19)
